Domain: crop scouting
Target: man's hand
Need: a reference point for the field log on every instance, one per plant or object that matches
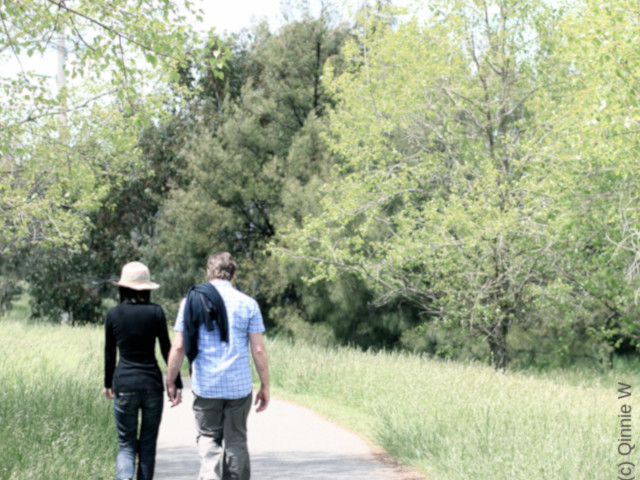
(175, 395)
(108, 392)
(262, 399)
(259, 353)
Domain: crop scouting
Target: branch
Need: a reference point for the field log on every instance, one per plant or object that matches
(11, 44)
(123, 58)
(75, 29)
(33, 118)
(111, 29)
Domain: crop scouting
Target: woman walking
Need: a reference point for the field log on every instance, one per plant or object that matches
(135, 384)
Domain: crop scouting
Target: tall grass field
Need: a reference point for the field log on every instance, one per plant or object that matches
(450, 421)
(455, 421)
(54, 421)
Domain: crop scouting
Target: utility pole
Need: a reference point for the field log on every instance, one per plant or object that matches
(62, 57)
(61, 80)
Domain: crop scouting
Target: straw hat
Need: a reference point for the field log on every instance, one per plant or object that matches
(135, 275)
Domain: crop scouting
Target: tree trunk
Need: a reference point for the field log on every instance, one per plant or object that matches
(3, 293)
(498, 345)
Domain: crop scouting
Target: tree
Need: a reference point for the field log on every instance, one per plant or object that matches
(604, 99)
(254, 166)
(63, 150)
(74, 283)
(50, 138)
(448, 191)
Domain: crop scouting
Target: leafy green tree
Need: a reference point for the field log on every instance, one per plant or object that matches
(255, 165)
(604, 139)
(448, 191)
(65, 147)
(117, 232)
(62, 147)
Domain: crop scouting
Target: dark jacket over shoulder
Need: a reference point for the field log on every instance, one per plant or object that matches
(133, 329)
(204, 305)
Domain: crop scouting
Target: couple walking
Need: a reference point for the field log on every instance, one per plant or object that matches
(216, 328)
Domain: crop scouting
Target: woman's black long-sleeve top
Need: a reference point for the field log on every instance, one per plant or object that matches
(133, 329)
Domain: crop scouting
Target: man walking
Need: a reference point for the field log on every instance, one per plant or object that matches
(215, 327)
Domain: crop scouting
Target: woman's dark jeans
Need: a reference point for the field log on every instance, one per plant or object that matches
(126, 406)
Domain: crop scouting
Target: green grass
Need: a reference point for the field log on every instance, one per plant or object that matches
(54, 421)
(452, 421)
(455, 421)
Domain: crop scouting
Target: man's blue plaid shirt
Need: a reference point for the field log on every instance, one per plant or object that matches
(223, 370)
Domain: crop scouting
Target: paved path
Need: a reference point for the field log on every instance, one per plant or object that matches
(285, 442)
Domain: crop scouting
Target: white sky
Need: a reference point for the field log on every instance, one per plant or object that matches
(232, 15)
(226, 16)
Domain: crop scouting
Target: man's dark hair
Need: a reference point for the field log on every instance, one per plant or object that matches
(221, 265)
(130, 295)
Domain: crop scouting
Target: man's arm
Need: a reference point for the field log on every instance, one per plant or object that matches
(259, 353)
(176, 356)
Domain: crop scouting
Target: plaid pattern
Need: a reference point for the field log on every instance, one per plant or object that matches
(223, 370)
